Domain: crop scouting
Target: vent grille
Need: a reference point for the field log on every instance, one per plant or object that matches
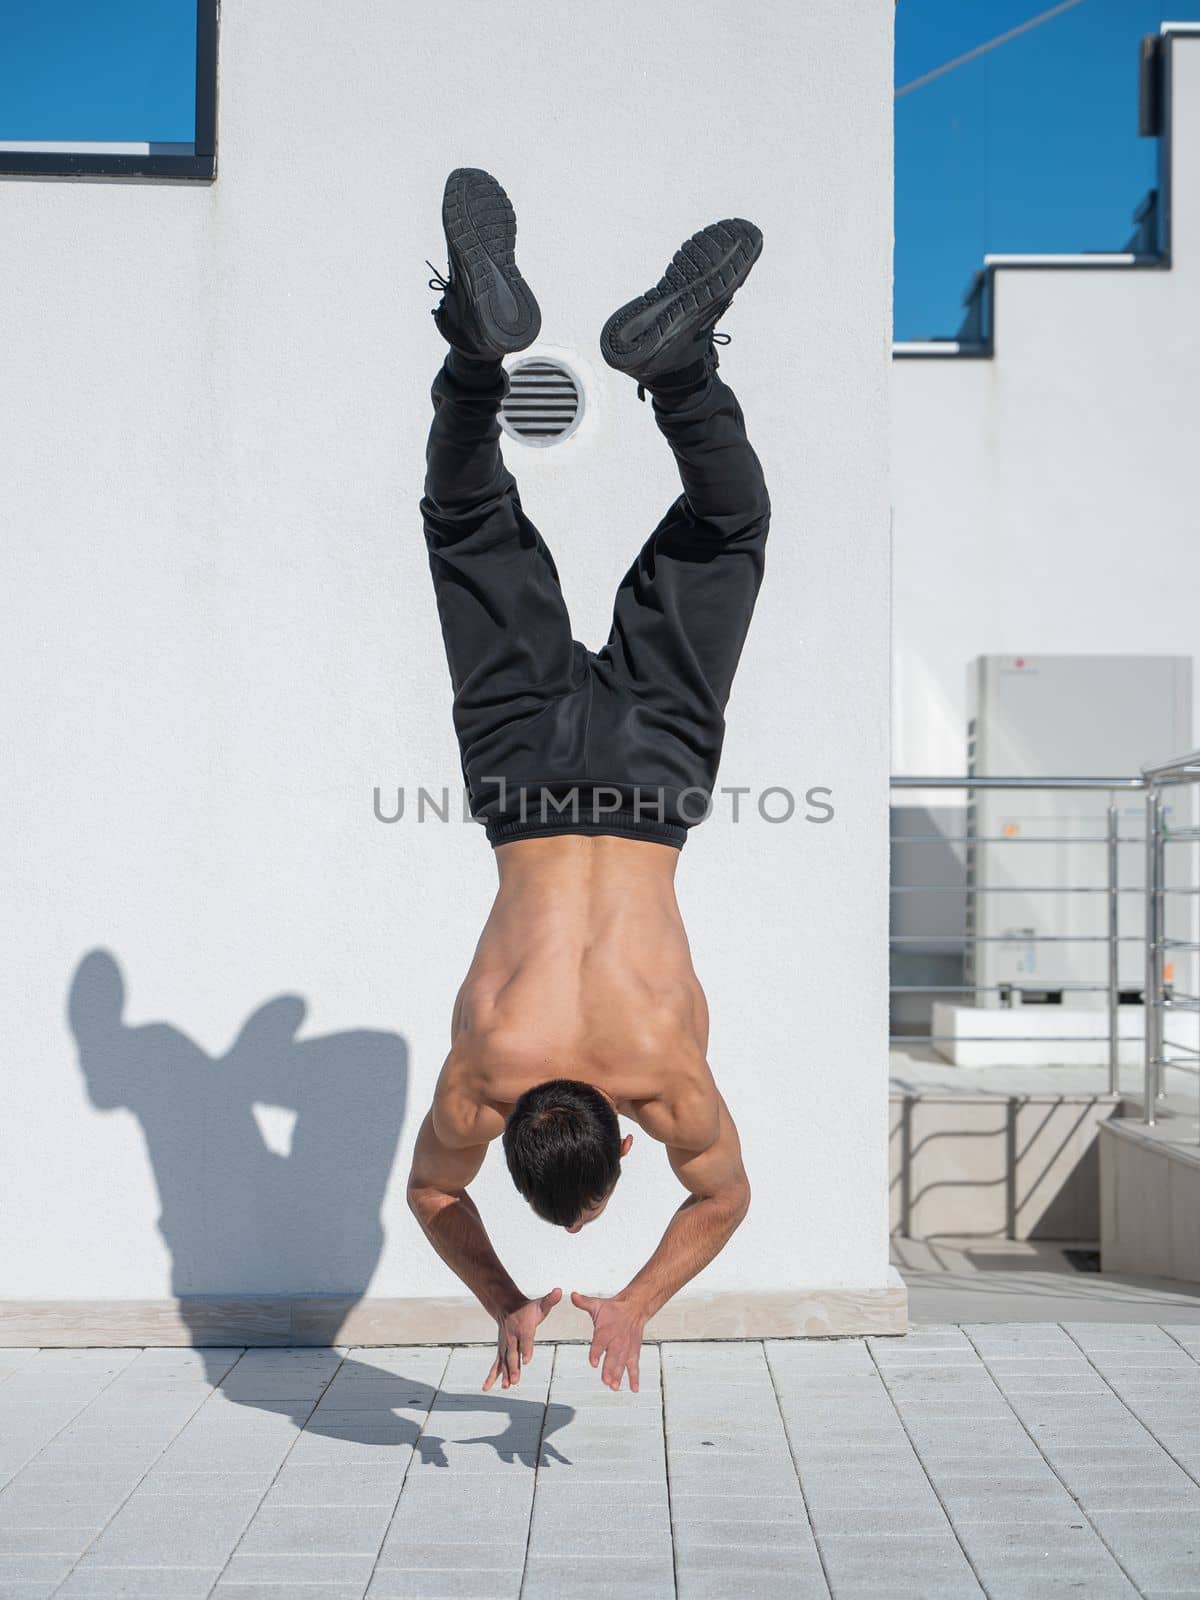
(544, 402)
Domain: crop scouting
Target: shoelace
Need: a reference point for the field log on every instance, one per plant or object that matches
(437, 281)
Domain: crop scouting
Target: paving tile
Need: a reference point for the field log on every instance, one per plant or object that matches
(32, 1568)
(731, 1533)
(1139, 1497)
(975, 1407)
(138, 1583)
(39, 1505)
(336, 1486)
(700, 1474)
(630, 1419)
(1159, 1549)
(473, 1521)
(1005, 1470)
(317, 1530)
(288, 1591)
(929, 1333)
(1038, 1549)
(997, 1435)
(1080, 1382)
(1035, 1500)
(483, 1584)
(224, 1453)
(874, 1521)
(753, 1508)
(563, 1508)
(64, 1540)
(1043, 1586)
(1103, 1439)
(564, 1577)
(599, 1436)
(298, 1569)
(891, 1357)
(1117, 1335)
(587, 1469)
(1184, 1333)
(165, 1531)
(597, 1544)
(763, 1573)
(932, 1567)
(15, 1356)
(447, 1555)
(426, 1360)
(162, 1480)
(818, 1355)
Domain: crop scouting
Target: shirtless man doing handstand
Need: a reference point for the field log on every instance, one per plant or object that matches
(587, 768)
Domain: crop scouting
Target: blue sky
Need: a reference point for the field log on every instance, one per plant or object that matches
(1032, 147)
(98, 69)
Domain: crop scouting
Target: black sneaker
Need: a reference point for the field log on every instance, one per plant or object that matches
(669, 329)
(487, 310)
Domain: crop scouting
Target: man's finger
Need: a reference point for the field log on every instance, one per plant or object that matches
(527, 1349)
(492, 1375)
(612, 1372)
(548, 1301)
(514, 1362)
(596, 1351)
(633, 1375)
(585, 1302)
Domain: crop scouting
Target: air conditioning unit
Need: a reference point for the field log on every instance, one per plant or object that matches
(1056, 716)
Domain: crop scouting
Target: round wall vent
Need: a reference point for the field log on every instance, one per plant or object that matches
(544, 402)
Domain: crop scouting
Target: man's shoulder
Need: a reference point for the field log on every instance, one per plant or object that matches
(685, 1112)
(463, 1112)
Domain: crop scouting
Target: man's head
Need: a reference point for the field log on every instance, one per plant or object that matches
(563, 1145)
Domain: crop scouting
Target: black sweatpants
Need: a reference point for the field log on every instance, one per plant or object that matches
(556, 738)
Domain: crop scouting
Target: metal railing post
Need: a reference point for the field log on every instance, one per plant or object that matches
(1114, 951)
(1153, 980)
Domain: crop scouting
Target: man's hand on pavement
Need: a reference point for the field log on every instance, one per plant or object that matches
(618, 1337)
(514, 1338)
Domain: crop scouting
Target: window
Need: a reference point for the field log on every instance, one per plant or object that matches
(123, 89)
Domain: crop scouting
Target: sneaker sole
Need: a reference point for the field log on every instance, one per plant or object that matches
(708, 268)
(481, 236)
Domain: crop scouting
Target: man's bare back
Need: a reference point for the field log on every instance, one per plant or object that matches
(585, 937)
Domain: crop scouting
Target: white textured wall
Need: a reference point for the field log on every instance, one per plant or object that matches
(219, 633)
(1046, 500)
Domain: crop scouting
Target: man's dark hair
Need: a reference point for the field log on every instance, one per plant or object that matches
(562, 1142)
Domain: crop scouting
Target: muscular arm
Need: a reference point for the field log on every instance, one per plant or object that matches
(437, 1195)
(718, 1200)
(438, 1198)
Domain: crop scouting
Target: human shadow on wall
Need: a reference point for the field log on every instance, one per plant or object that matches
(241, 1217)
(247, 1221)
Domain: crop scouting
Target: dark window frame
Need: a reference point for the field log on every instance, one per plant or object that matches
(200, 166)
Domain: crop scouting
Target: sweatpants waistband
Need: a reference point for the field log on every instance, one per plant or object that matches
(618, 824)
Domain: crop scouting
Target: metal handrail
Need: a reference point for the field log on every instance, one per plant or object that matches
(1159, 997)
(1019, 838)
(1184, 768)
(1129, 784)
(1163, 1051)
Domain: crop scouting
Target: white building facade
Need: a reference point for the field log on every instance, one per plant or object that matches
(230, 983)
(1044, 467)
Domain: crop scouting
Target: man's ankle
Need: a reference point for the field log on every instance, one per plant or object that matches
(474, 372)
